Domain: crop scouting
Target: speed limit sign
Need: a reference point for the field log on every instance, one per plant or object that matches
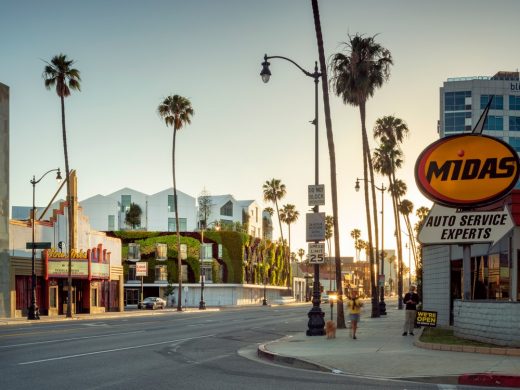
(316, 253)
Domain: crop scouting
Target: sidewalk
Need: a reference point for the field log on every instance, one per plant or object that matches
(381, 351)
(129, 312)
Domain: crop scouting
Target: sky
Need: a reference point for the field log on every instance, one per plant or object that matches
(132, 54)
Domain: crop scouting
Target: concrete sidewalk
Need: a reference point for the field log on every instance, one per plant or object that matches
(381, 351)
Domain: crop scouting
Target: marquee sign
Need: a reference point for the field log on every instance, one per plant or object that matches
(92, 264)
(467, 170)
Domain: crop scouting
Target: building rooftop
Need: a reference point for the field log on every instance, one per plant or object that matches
(501, 75)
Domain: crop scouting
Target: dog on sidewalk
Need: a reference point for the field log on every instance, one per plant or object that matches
(330, 329)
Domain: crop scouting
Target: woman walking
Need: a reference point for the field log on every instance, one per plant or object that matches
(354, 306)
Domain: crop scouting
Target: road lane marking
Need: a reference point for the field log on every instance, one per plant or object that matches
(112, 350)
(69, 339)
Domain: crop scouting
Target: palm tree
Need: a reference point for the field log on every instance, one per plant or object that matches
(397, 190)
(301, 253)
(406, 208)
(60, 73)
(289, 215)
(391, 132)
(357, 75)
(329, 225)
(274, 191)
(356, 235)
(340, 319)
(176, 111)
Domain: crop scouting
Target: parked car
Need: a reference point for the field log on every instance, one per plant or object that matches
(152, 303)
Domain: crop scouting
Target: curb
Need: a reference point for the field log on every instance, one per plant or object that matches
(495, 380)
(264, 353)
(477, 379)
(469, 348)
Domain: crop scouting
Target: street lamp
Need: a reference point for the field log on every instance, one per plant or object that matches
(382, 304)
(316, 316)
(34, 312)
(202, 303)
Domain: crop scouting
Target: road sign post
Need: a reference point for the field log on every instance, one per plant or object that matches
(316, 195)
(316, 253)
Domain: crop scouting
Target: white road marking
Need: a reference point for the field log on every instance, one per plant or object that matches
(70, 339)
(111, 350)
(447, 387)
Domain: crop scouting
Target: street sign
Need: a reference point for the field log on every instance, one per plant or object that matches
(316, 253)
(445, 225)
(141, 268)
(315, 227)
(38, 245)
(316, 195)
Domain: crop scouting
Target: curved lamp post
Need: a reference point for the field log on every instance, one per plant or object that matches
(382, 304)
(202, 303)
(34, 312)
(316, 316)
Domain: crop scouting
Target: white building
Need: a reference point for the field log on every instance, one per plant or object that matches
(107, 213)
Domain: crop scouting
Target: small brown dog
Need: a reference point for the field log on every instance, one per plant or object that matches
(330, 329)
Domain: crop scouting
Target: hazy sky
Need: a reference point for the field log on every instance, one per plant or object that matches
(132, 54)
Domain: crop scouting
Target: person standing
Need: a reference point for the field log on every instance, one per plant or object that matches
(354, 306)
(411, 299)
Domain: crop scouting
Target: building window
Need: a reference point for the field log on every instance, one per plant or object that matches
(456, 101)
(172, 227)
(131, 273)
(515, 143)
(161, 273)
(171, 205)
(206, 252)
(514, 123)
(161, 251)
(208, 273)
(514, 102)
(134, 252)
(494, 123)
(455, 122)
(111, 222)
(126, 200)
(227, 209)
(496, 104)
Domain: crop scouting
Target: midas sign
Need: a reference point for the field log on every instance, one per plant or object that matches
(467, 170)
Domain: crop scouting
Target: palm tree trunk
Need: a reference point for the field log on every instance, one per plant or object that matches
(69, 210)
(375, 305)
(376, 230)
(332, 158)
(399, 246)
(177, 227)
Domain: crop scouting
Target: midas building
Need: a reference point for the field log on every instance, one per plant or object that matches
(470, 279)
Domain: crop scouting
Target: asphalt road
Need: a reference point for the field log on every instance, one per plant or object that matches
(166, 350)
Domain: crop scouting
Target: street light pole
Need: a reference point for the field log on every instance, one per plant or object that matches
(382, 304)
(316, 316)
(34, 311)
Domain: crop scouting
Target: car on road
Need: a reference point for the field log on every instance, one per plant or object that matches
(152, 303)
(324, 298)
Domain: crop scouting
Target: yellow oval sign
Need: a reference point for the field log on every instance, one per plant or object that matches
(467, 170)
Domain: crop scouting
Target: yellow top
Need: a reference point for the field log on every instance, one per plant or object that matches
(357, 309)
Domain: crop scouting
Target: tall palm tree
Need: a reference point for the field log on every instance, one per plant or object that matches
(301, 253)
(329, 233)
(60, 73)
(391, 132)
(356, 235)
(176, 111)
(406, 208)
(357, 75)
(340, 318)
(397, 190)
(274, 191)
(289, 215)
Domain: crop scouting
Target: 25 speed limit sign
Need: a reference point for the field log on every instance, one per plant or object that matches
(316, 253)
